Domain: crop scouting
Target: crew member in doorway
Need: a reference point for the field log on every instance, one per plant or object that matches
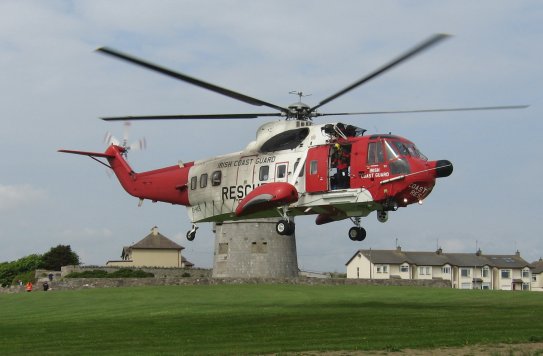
(341, 160)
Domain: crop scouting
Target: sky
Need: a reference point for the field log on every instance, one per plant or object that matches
(54, 87)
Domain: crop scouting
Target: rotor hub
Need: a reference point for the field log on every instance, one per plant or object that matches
(299, 111)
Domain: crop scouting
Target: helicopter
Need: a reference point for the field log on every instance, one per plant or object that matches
(294, 167)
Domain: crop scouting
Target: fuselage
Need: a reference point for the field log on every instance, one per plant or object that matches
(336, 174)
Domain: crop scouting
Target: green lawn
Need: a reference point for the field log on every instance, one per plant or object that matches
(253, 319)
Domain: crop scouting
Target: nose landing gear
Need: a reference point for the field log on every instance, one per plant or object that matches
(357, 233)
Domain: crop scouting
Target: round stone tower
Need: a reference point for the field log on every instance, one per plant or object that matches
(252, 248)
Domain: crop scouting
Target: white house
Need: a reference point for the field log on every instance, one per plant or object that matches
(537, 275)
(462, 270)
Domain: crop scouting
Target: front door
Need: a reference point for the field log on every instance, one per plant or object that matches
(316, 169)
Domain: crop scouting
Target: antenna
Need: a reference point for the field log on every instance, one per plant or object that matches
(299, 93)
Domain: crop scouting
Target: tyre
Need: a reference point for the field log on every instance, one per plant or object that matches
(282, 227)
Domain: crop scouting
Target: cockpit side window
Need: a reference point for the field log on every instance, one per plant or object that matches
(375, 153)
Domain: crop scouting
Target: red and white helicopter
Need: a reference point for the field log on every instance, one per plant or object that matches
(294, 167)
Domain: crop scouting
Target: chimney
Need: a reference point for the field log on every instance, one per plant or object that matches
(399, 248)
(517, 253)
(479, 252)
(154, 230)
(439, 251)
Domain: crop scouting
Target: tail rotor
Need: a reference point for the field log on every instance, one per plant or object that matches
(138, 145)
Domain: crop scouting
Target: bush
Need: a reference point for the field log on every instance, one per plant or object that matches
(130, 273)
(25, 277)
(97, 273)
(121, 273)
(9, 270)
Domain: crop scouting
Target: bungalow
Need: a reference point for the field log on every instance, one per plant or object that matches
(462, 270)
(154, 250)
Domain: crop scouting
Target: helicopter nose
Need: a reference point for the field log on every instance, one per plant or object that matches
(444, 168)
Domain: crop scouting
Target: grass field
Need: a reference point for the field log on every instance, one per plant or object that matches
(256, 319)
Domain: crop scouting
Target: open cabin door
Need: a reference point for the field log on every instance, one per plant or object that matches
(316, 167)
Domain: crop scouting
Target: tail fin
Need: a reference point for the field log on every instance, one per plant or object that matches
(117, 163)
(167, 184)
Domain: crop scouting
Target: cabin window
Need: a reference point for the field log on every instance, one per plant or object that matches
(216, 178)
(193, 182)
(375, 153)
(264, 173)
(296, 166)
(203, 180)
(281, 171)
(313, 167)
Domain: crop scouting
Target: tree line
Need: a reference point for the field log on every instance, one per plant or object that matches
(23, 268)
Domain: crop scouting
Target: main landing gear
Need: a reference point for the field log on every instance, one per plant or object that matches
(357, 233)
(285, 227)
(191, 234)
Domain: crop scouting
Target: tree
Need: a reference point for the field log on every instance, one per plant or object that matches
(59, 256)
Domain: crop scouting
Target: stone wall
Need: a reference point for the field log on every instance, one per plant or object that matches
(84, 283)
(158, 272)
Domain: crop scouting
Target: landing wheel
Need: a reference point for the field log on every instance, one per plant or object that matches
(284, 227)
(357, 233)
(191, 235)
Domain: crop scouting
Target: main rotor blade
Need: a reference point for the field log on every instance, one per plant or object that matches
(188, 79)
(189, 117)
(421, 47)
(508, 107)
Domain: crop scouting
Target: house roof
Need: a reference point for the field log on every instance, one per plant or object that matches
(187, 262)
(155, 240)
(438, 258)
(538, 266)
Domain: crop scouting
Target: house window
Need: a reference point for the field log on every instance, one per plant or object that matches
(193, 182)
(425, 270)
(313, 167)
(525, 286)
(506, 273)
(203, 180)
(465, 272)
(534, 278)
(525, 273)
(216, 178)
(486, 272)
(485, 286)
(446, 270)
(382, 268)
(264, 173)
(404, 268)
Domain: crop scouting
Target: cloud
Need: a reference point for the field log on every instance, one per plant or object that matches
(13, 197)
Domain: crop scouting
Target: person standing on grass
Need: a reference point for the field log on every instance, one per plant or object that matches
(29, 287)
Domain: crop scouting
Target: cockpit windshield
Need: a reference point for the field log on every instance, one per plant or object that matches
(400, 148)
